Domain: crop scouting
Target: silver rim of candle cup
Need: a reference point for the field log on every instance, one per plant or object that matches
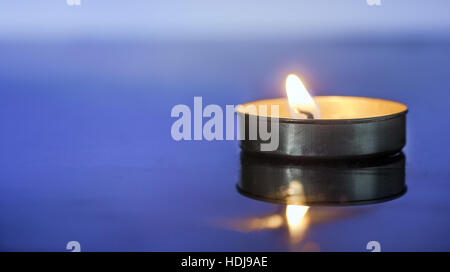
(334, 139)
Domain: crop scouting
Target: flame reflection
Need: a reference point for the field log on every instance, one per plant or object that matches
(297, 221)
(294, 219)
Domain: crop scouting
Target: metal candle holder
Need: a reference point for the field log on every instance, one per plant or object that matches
(350, 127)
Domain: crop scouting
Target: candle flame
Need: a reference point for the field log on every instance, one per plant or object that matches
(295, 214)
(301, 104)
(296, 221)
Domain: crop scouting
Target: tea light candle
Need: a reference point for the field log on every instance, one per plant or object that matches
(327, 127)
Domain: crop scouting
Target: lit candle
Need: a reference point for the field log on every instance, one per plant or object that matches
(324, 126)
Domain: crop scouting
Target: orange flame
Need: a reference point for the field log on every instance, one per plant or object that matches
(301, 104)
(297, 221)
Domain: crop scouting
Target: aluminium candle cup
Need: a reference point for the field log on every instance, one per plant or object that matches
(349, 127)
(327, 183)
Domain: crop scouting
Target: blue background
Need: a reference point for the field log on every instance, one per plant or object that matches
(85, 98)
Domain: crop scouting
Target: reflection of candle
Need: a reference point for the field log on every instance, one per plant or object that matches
(327, 126)
(297, 221)
(293, 182)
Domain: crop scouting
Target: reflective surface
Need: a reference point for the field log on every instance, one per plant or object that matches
(87, 155)
(322, 183)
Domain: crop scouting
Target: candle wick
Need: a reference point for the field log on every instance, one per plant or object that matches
(308, 114)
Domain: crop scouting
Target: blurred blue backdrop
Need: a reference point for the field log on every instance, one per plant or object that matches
(197, 19)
